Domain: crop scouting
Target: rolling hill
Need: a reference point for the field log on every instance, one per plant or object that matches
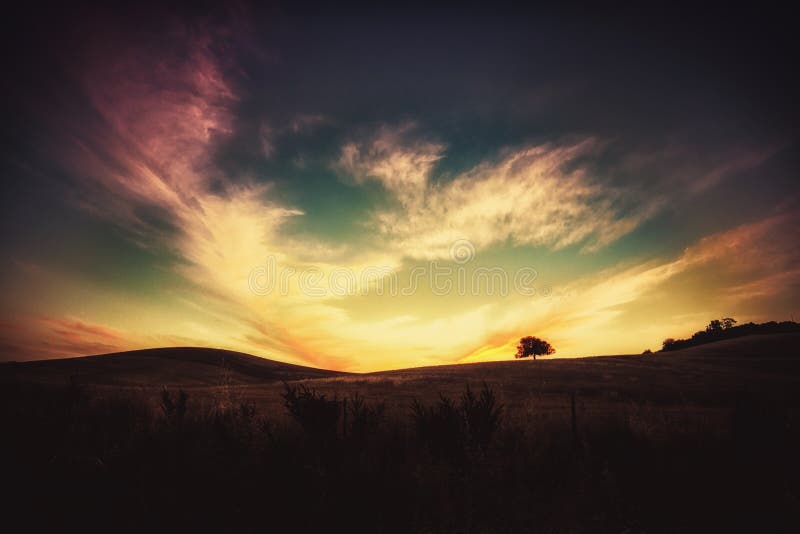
(752, 364)
(180, 366)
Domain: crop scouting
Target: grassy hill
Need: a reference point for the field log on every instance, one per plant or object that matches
(702, 376)
(171, 367)
(697, 440)
(749, 360)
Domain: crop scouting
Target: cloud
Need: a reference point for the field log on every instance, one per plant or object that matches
(600, 313)
(160, 108)
(146, 162)
(539, 196)
(583, 316)
(72, 328)
(395, 159)
(149, 169)
(45, 336)
(741, 161)
(147, 166)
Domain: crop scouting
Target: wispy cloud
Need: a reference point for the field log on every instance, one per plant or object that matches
(42, 337)
(396, 159)
(540, 196)
(162, 111)
(734, 270)
(147, 161)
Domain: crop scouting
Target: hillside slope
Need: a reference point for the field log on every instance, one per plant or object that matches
(753, 365)
(758, 345)
(181, 366)
(760, 362)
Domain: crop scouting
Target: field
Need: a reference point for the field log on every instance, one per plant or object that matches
(691, 440)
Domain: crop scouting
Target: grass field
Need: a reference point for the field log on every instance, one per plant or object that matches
(704, 378)
(693, 440)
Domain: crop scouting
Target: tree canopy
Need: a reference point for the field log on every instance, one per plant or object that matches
(533, 346)
(726, 328)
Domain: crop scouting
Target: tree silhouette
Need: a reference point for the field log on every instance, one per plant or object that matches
(727, 328)
(533, 346)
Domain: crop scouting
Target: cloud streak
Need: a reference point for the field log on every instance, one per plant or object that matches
(538, 196)
(151, 158)
(747, 263)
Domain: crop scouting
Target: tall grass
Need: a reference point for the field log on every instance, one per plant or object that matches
(82, 459)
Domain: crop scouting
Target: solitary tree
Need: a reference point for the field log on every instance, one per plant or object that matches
(533, 346)
(728, 322)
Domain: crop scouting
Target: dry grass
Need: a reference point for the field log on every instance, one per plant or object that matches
(696, 440)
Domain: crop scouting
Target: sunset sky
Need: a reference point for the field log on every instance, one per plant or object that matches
(161, 168)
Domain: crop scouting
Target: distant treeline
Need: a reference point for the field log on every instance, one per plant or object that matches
(726, 328)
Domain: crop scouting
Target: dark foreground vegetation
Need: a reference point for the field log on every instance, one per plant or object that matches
(78, 459)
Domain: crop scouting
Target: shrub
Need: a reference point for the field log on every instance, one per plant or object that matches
(439, 426)
(482, 416)
(317, 415)
(449, 429)
(174, 408)
(364, 418)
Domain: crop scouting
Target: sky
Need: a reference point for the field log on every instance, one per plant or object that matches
(365, 190)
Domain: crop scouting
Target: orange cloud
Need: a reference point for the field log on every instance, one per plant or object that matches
(48, 337)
